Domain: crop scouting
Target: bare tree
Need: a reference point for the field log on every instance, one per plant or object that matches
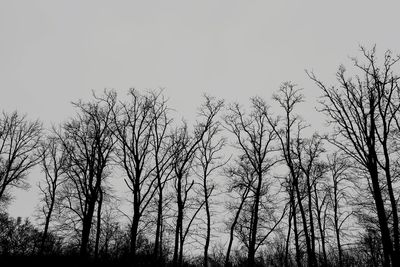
(19, 139)
(210, 160)
(134, 125)
(288, 129)
(98, 222)
(321, 198)
(363, 112)
(241, 182)
(255, 141)
(290, 189)
(89, 145)
(338, 167)
(308, 152)
(53, 163)
(162, 153)
(185, 147)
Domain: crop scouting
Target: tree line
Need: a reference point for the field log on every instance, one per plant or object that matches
(239, 186)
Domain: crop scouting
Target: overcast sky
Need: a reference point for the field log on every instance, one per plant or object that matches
(53, 52)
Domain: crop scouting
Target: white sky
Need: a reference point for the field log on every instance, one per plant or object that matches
(53, 52)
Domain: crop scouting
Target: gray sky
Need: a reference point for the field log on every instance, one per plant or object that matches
(53, 52)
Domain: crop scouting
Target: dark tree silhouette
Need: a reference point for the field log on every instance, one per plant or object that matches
(288, 129)
(338, 167)
(255, 141)
(321, 195)
(185, 147)
(98, 222)
(19, 139)
(210, 159)
(53, 164)
(133, 128)
(241, 181)
(291, 198)
(89, 145)
(363, 112)
(162, 151)
(308, 152)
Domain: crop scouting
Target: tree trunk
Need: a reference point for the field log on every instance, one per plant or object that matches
(161, 252)
(136, 213)
(296, 233)
(286, 259)
(339, 246)
(157, 243)
(87, 224)
(310, 211)
(304, 221)
(253, 227)
(393, 203)
(336, 222)
(46, 225)
(372, 164)
(98, 230)
(208, 234)
(228, 252)
(383, 225)
(134, 232)
(178, 227)
(321, 229)
(180, 260)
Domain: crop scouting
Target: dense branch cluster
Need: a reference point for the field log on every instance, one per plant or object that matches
(240, 186)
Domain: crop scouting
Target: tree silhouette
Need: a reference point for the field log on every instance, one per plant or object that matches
(185, 146)
(19, 139)
(53, 163)
(209, 159)
(162, 151)
(288, 129)
(89, 145)
(255, 140)
(287, 197)
(133, 126)
(363, 113)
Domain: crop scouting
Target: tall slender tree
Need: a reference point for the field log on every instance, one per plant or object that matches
(89, 144)
(53, 163)
(210, 160)
(308, 153)
(133, 122)
(363, 111)
(162, 153)
(338, 167)
(255, 141)
(240, 183)
(288, 129)
(185, 147)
